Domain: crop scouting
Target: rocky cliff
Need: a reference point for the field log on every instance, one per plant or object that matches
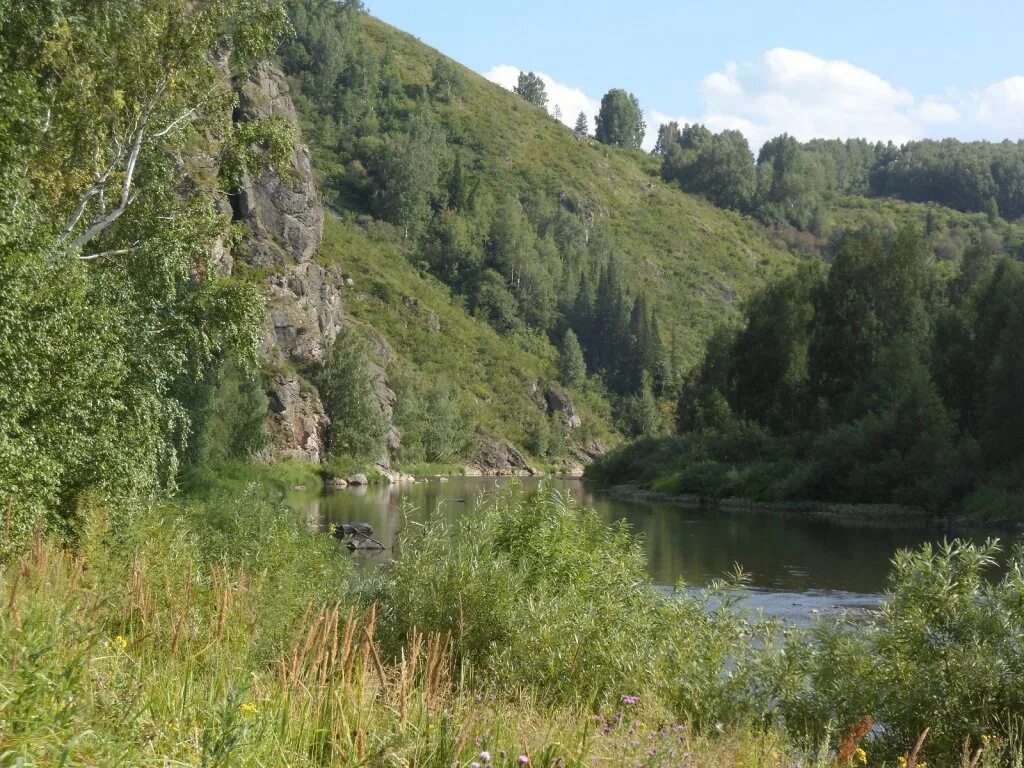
(283, 222)
(282, 219)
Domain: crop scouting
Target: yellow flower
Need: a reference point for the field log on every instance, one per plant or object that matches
(860, 756)
(122, 642)
(901, 762)
(248, 709)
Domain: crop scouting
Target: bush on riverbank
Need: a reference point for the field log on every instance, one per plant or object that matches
(222, 632)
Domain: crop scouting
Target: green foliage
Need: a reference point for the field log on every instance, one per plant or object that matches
(436, 422)
(520, 208)
(717, 166)
(254, 145)
(358, 428)
(620, 122)
(407, 170)
(538, 592)
(886, 380)
(571, 366)
(530, 87)
(582, 127)
(446, 80)
(110, 305)
(943, 655)
(227, 416)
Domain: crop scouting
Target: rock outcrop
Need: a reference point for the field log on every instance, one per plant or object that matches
(296, 424)
(283, 214)
(494, 456)
(283, 220)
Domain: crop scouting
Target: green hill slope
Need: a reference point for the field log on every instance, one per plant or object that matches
(692, 260)
(528, 207)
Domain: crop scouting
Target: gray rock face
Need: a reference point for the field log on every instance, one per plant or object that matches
(284, 215)
(297, 424)
(494, 456)
(560, 401)
(284, 220)
(303, 314)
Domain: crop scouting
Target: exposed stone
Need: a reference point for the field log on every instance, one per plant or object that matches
(303, 314)
(358, 479)
(559, 400)
(284, 215)
(335, 484)
(494, 456)
(297, 423)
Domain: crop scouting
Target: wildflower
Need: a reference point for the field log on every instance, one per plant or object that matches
(860, 756)
(122, 642)
(630, 700)
(248, 709)
(523, 760)
(474, 764)
(485, 757)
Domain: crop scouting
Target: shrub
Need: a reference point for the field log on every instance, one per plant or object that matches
(540, 593)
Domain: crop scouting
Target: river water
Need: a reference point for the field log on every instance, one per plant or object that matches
(799, 567)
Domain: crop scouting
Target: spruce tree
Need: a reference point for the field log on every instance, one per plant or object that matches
(582, 126)
(571, 364)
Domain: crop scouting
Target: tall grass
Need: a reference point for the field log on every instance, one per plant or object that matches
(223, 633)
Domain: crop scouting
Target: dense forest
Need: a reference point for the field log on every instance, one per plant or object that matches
(806, 185)
(881, 379)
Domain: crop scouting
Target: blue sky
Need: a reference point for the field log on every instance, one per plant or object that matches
(901, 69)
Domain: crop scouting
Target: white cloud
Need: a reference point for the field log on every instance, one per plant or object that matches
(796, 92)
(571, 100)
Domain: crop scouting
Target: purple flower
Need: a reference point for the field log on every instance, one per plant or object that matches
(524, 760)
(630, 700)
(485, 756)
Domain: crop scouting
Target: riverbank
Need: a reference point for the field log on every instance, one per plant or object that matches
(221, 630)
(854, 515)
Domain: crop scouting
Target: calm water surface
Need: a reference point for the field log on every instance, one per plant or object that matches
(798, 567)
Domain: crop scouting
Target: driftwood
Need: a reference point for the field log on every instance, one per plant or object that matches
(358, 536)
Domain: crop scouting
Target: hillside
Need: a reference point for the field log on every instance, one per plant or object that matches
(572, 205)
(693, 260)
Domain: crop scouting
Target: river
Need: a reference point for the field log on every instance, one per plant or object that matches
(798, 567)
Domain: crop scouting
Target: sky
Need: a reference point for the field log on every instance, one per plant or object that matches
(898, 70)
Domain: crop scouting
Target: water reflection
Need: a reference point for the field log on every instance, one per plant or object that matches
(782, 555)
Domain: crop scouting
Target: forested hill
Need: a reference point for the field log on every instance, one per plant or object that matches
(490, 247)
(498, 196)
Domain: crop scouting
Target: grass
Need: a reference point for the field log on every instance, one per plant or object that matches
(694, 262)
(395, 301)
(222, 632)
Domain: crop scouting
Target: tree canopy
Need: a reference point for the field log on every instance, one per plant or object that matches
(620, 121)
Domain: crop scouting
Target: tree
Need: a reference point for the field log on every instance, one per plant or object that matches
(407, 169)
(558, 113)
(620, 122)
(446, 80)
(108, 297)
(571, 364)
(358, 428)
(582, 126)
(436, 422)
(642, 416)
(668, 137)
(531, 88)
